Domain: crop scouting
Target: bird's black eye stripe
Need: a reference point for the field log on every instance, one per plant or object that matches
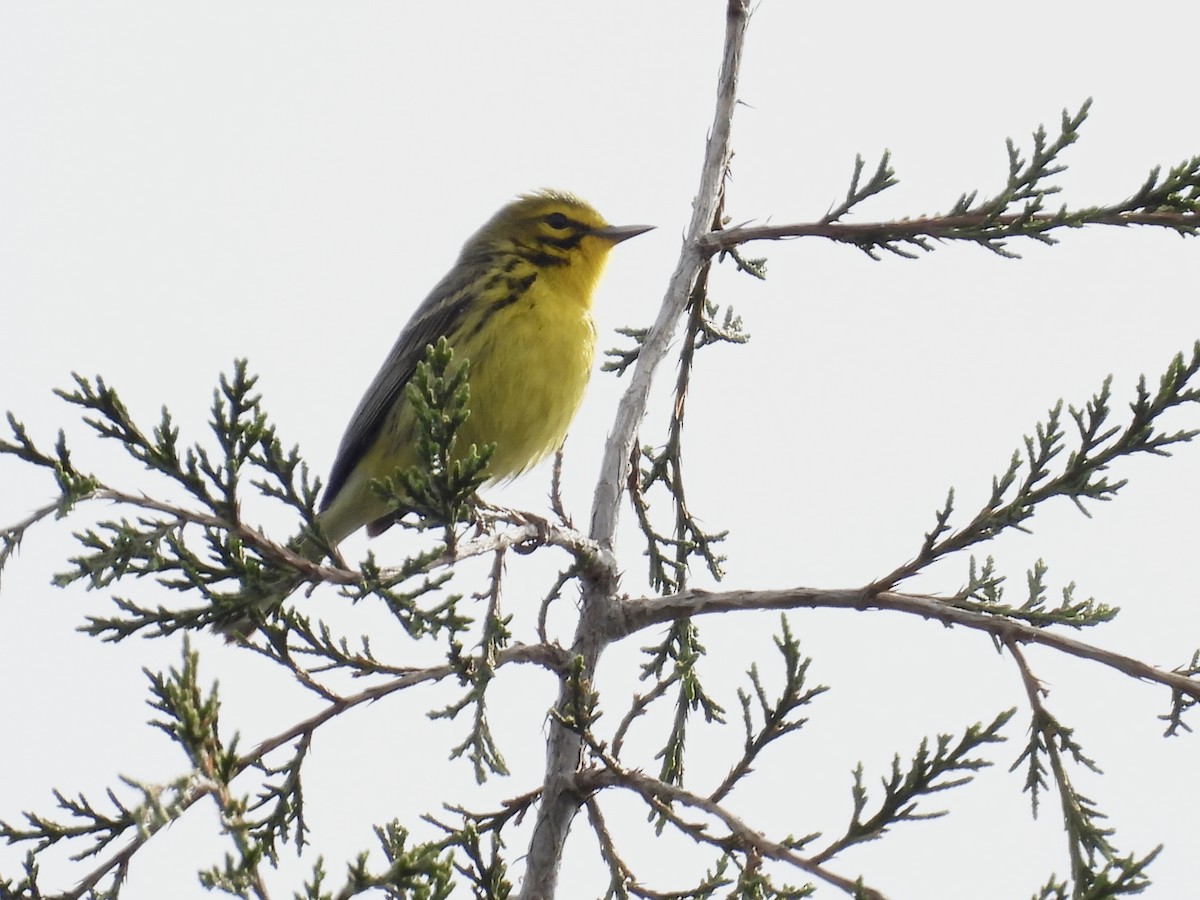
(567, 241)
(558, 221)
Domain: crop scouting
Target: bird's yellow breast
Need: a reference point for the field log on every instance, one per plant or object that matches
(529, 372)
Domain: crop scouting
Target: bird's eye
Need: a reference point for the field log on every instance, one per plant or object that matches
(558, 221)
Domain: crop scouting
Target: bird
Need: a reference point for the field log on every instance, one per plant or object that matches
(517, 306)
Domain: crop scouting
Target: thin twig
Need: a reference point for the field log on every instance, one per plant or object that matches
(204, 787)
(659, 794)
(522, 532)
(638, 707)
(930, 226)
(556, 500)
(1036, 691)
(15, 533)
(648, 612)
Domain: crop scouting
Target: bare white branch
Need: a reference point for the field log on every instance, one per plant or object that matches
(560, 800)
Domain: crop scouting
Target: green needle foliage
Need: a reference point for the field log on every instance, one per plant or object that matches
(1042, 473)
(441, 489)
(984, 592)
(947, 765)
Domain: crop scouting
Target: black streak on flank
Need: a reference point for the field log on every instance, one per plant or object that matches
(517, 288)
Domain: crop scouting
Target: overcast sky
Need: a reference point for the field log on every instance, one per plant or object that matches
(185, 184)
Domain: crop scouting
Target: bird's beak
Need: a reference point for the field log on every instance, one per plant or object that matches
(617, 233)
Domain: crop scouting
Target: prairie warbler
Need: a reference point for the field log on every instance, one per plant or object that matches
(517, 306)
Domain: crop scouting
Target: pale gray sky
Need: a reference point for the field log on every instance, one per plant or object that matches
(183, 185)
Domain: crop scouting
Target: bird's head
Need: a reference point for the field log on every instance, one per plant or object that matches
(559, 234)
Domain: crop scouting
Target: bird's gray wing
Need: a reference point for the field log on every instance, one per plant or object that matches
(435, 317)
